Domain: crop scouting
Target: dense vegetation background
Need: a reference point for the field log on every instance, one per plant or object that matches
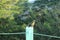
(15, 15)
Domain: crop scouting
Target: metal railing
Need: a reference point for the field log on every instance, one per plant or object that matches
(34, 34)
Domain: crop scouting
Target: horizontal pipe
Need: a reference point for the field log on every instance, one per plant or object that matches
(37, 34)
(12, 33)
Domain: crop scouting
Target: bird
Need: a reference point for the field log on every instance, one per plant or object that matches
(31, 24)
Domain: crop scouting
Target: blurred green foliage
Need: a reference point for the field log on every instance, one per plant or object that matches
(15, 15)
